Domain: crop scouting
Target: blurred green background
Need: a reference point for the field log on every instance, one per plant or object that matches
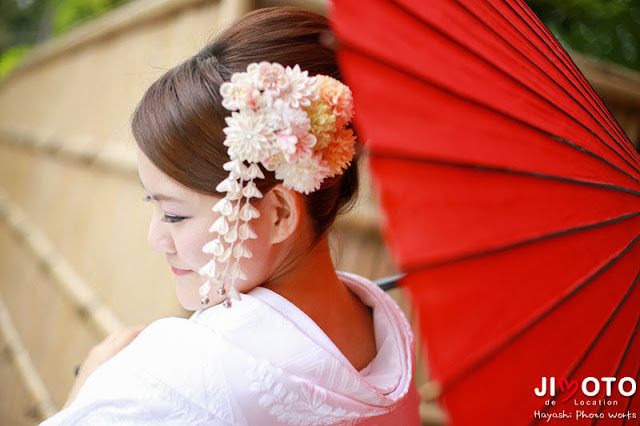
(25, 23)
(605, 29)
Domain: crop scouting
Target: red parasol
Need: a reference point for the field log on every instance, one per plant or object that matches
(511, 197)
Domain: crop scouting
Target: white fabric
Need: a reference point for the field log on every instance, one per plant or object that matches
(262, 362)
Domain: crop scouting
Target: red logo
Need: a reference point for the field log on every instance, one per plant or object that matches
(571, 387)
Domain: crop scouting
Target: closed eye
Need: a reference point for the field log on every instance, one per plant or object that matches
(168, 218)
(172, 219)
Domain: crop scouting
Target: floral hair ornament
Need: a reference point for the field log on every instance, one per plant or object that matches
(288, 123)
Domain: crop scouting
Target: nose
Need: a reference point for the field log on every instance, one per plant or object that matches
(159, 236)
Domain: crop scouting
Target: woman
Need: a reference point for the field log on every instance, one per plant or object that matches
(257, 127)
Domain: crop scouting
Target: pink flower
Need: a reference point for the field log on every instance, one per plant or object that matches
(293, 147)
(269, 76)
(239, 93)
(304, 149)
(287, 143)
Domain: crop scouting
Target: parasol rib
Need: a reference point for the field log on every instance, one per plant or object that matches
(426, 160)
(637, 378)
(506, 74)
(373, 57)
(593, 98)
(430, 265)
(426, 266)
(562, 55)
(627, 348)
(584, 356)
(500, 346)
(602, 114)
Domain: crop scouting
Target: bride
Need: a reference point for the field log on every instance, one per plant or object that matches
(246, 155)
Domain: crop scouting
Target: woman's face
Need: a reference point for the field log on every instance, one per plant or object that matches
(180, 228)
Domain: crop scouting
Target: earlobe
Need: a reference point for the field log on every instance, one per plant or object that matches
(285, 214)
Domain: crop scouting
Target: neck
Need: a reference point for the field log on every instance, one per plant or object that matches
(311, 282)
(314, 287)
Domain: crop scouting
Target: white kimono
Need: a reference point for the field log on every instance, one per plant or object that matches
(262, 362)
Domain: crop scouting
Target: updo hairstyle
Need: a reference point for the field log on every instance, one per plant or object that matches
(179, 122)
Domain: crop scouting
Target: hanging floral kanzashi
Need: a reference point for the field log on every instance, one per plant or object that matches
(291, 124)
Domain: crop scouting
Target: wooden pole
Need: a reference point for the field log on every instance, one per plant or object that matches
(43, 404)
(88, 154)
(81, 295)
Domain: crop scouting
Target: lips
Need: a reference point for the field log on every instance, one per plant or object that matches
(180, 271)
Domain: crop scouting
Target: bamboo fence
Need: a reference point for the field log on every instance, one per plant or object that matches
(75, 264)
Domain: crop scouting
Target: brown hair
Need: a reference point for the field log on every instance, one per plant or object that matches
(178, 123)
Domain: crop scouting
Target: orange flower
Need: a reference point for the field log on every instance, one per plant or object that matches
(337, 95)
(340, 151)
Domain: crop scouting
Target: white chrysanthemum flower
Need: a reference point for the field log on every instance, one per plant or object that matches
(304, 176)
(300, 89)
(249, 136)
(282, 116)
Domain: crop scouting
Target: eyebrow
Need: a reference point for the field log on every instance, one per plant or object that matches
(161, 197)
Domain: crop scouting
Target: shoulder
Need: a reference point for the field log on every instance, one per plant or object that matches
(372, 295)
(394, 336)
(355, 282)
(172, 358)
(176, 352)
(170, 371)
(174, 342)
(175, 337)
(385, 309)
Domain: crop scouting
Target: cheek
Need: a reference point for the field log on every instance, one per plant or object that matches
(189, 246)
(191, 238)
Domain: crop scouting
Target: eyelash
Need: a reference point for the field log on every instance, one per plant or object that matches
(172, 219)
(167, 218)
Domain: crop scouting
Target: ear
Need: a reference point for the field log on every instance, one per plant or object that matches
(284, 213)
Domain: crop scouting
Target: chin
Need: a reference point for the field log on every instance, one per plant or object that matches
(190, 305)
(188, 302)
(187, 292)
